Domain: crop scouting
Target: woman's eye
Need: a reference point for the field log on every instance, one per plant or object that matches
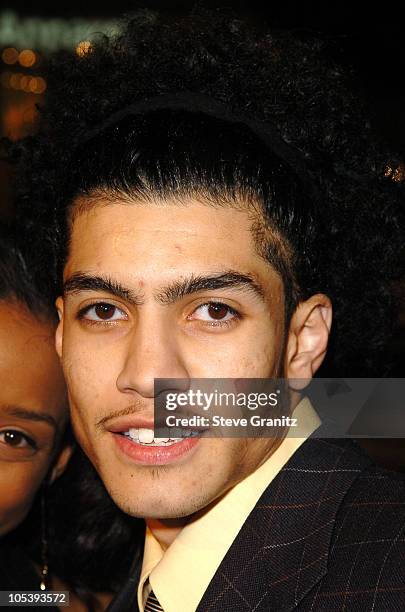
(103, 312)
(16, 439)
(214, 312)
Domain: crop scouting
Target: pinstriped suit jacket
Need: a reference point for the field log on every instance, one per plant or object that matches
(327, 535)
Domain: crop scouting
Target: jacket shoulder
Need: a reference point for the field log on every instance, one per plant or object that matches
(373, 511)
(366, 565)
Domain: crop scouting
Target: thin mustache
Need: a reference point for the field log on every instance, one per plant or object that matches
(129, 410)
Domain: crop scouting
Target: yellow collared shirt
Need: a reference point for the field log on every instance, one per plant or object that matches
(200, 547)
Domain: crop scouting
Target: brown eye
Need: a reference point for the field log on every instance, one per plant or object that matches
(218, 311)
(215, 313)
(104, 311)
(16, 439)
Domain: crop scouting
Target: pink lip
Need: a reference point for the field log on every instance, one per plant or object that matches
(154, 455)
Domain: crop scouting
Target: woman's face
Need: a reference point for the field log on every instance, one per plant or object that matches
(33, 410)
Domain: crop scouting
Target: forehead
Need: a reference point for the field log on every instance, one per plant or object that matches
(30, 373)
(164, 238)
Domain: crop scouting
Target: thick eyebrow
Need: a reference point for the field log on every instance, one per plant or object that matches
(224, 280)
(30, 415)
(173, 292)
(87, 282)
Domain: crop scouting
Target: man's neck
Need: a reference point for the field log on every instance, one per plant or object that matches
(166, 530)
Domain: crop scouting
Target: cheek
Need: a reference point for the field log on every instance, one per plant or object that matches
(91, 372)
(260, 350)
(18, 486)
(253, 356)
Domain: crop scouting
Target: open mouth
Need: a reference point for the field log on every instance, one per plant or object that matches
(146, 437)
(141, 446)
(140, 439)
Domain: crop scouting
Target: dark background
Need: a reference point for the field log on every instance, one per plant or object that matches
(368, 37)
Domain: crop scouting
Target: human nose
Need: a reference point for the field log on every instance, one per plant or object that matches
(152, 352)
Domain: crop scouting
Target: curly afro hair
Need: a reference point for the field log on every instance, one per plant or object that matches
(345, 241)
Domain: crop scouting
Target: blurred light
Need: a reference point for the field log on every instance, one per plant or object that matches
(36, 85)
(9, 55)
(24, 82)
(13, 121)
(32, 86)
(83, 48)
(40, 85)
(19, 117)
(15, 80)
(27, 58)
(48, 34)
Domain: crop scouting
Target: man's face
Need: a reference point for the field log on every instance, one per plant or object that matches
(144, 300)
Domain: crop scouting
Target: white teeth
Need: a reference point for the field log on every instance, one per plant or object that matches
(145, 436)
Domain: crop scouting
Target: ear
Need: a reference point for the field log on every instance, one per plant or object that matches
(308, 339)
(59, 329)
(61, 463)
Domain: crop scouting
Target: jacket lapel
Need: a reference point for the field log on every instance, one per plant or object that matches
(282, 550)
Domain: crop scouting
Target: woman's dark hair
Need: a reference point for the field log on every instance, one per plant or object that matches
(341, 236)
(17, 283)
(92, 543)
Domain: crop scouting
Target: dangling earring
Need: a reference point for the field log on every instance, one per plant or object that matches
(44, 584)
